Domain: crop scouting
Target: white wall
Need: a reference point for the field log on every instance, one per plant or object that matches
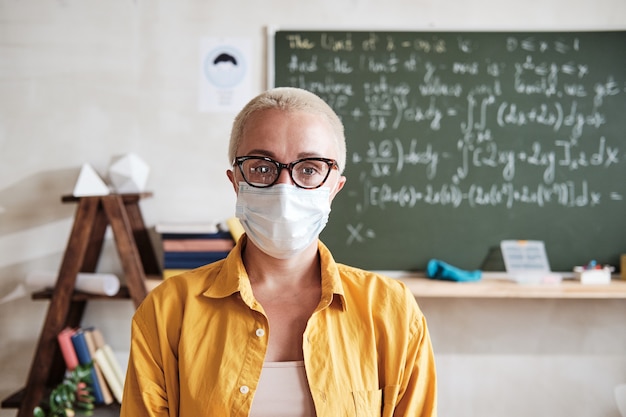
(84, 81)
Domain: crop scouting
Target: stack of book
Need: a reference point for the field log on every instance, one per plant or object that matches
(85, 346)
(189, 246)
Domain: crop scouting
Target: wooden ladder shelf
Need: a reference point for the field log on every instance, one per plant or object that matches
(138, 259)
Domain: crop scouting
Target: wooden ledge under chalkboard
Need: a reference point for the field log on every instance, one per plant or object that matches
(492, 286)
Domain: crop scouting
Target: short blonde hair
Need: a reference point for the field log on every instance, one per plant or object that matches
(288, 99)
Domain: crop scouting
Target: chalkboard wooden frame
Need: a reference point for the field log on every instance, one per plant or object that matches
(458, 140)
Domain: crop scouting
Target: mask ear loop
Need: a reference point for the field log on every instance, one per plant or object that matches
(332, 190)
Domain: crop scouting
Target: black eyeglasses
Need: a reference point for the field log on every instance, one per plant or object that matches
(263, 172)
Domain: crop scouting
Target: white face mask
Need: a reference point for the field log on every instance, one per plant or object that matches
(282, 220)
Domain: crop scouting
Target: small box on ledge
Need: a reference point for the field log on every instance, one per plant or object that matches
(593, 274)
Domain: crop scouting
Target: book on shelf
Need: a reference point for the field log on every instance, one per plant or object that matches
(107, 395)
(221, 234)
(188, 228)
(190, 260)
(109, 374)
(84, 358)
(64, 339)
(87, 346)
(109, 365)
(235, 228)
(189, 246)
(198, 245)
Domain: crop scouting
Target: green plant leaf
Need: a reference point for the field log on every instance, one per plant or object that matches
(74, 392)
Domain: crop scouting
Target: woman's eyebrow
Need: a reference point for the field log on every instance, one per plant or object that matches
(270, 154)
(262, 152)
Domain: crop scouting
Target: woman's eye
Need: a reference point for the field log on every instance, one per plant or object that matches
(261, 169)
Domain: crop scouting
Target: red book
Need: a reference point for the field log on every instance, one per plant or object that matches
(67, 348)
(198, 245)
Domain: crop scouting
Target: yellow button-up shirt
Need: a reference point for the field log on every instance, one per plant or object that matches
(199, 342)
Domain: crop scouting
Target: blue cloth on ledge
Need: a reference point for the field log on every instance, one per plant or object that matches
(441, 270)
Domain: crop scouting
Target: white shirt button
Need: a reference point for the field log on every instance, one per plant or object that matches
(260, 332)
(244, 389)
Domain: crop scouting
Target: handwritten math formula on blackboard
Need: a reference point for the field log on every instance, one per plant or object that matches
(458, 140)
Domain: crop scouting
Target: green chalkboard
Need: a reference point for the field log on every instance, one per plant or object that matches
(458, 140)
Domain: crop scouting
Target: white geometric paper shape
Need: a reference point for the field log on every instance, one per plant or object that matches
(89, 183)
(129, 174)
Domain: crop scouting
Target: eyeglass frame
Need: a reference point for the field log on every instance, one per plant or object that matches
(239, 160)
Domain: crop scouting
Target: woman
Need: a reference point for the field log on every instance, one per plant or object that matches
(278, 328)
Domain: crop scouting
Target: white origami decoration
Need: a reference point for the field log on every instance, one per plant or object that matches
(89, 183)
(129, 174)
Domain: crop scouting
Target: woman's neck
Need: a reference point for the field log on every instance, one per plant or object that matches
(301, 269)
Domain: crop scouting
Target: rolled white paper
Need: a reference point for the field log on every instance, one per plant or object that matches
(97, 283)
(89, 282)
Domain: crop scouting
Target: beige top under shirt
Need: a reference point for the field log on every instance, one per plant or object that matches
(283, 391)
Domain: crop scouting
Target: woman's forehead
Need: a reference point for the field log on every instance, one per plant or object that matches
(295, 132)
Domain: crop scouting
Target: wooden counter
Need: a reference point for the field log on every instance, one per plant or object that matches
(497, 285)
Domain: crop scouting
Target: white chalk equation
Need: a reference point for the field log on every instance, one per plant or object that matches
(390, 157)
(569, 194)
(359, 233)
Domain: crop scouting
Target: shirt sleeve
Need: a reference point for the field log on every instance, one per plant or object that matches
(418, 389)
(146, 391)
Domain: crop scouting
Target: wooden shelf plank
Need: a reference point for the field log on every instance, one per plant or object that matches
(14, 400)
(46, 294)
(126, 198)
(123, 293)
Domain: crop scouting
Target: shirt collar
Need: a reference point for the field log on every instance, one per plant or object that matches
(332, 288)
(233, 278)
